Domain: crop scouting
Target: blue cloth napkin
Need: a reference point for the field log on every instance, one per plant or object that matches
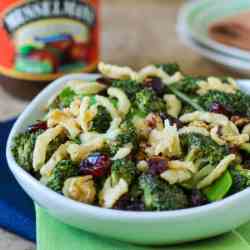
(17, 210)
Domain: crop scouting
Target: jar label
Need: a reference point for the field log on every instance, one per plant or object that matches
(43, 39)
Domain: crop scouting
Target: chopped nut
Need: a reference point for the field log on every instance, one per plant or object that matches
(240, 121)
(80, 189)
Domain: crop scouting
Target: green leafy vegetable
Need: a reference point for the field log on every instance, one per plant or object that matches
(66, 97)
(220, 188)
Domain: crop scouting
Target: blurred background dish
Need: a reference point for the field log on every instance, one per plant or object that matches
(199, 15)
(232, 63)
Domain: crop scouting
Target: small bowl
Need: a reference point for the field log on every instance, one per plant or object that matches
(154, 228)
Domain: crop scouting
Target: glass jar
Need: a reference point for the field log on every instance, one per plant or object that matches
(41, 40)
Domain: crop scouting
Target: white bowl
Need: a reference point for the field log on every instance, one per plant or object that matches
(138, 227)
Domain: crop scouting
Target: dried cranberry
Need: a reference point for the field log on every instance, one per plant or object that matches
(96, 165)
(234, 150)
(37, 126)
(156, 84)
(220, 109)
(129, 204)
(105, 81)
(173, 121)
(157, 165)
(197, 198)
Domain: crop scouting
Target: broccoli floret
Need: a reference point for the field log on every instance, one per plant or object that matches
(23, 147)
(130, 87)
(62, 171)
(147, 101)
(169, 68)
(128, 134)
(101, 121)
(64, 99)
(159, 195)
(54, 145)
(237, 103)
(203, 148)
(188, 84)
(124, 169)
(240, 177)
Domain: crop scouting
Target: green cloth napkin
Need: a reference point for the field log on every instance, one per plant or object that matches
(54, 235)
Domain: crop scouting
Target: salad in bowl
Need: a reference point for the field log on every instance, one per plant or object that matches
(153, 140)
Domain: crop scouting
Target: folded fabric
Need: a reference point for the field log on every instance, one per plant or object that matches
(54, 235)
(17, 210)
(233, 31)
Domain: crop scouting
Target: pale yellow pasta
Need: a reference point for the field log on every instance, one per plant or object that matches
(214, 133)
(175, 78)
(217, 172)
(114, 129)
(165, 141)
(60, 154)
(42, 142)
(193, 129)
(86, 88)
(109, 195)
(141, 126)
(173, 105)
(153, 71)
(86, 114)
(200, 124)
(178, 164)
(207, 117)
(246, 129)
(64, 119)
(232, 82)
(89, 136)
(178, 171)
(123, 101)
(74, 107)
(228, 133)
(123, 152)
(237, 139)
(173, 176)
(80, 188)
(214, 83)
(80, 152)
(230, 129)
(116, 72)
